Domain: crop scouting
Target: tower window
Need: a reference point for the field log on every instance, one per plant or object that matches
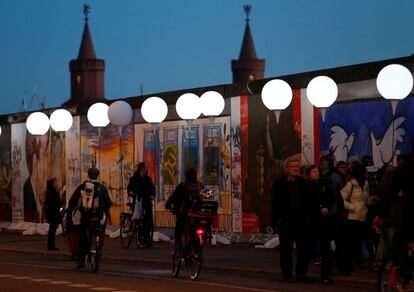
(251, 77)
(78, 81)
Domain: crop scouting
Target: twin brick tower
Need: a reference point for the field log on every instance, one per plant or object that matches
(87, 71)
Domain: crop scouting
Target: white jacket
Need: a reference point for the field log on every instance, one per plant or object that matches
(356, 200)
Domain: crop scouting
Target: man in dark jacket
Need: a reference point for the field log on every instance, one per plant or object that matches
(141, 187)
(180, 202)
(292, 210)
(101, 203)
(52, 208)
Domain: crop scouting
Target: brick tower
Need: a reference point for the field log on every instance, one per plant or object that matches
(248, 67)
(86, 72)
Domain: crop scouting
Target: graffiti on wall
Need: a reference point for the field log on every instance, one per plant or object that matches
(368, 128)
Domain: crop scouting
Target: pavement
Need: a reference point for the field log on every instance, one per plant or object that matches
(232, 259)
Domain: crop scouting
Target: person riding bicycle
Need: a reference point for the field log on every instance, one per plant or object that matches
(141, 187)
(181, 201)
(90, 199)
(395, 216)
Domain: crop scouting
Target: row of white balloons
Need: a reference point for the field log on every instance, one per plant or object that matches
(394, 82)
(154, 110)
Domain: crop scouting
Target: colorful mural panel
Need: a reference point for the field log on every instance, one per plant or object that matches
(368, 128)
(5, 174)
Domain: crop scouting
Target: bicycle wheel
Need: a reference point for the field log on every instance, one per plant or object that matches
(176, 265)
(389, 278)
(95, 252)
(144, 233)
(195, 261)
(125, 232)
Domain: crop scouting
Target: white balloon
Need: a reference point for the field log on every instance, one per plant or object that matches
(154, 110)
(0, 130)
(322, 91)
(61, 120)
(38, 123)
(395, 82)
(120, 113)
(188, 106)
(98, 115)
(277, 94)
(212, 104)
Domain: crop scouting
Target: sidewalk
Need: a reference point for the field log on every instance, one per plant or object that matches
(235, 258)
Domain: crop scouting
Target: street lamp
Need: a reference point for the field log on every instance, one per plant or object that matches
(394, 82)
(98, 117)
(120, 114)
(322, 92)
(276, 96)
(38, 124)
(61, 121)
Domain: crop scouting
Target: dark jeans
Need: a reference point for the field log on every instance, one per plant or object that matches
(326, 258)
(353, 232)
(51, 235)
(178, 233)
(290, 235)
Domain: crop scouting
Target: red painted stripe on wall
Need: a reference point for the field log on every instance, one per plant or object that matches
(244, 128)
(316, 135)
(297, 113)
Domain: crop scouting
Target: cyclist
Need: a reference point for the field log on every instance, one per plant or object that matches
(91, 199)
(141, 187)
(180, 203)
(396, 217)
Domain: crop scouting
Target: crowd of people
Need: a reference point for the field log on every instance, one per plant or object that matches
(336, 212)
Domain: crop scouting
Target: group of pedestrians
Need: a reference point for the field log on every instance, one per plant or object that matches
(335, 212)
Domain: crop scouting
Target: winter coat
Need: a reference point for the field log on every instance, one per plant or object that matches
(52, 206)
(356, 200)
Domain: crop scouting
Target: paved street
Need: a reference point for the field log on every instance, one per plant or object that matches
(25, 265)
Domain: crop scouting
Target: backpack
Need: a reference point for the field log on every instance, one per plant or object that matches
(91, 196)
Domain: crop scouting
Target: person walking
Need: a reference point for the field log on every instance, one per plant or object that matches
(292, 211)
(324, 221)
(52, 208)
(356, 200)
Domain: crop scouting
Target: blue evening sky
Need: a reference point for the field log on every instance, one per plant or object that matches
(168, 45)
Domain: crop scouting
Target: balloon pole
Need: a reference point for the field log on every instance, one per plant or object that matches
(394, 104)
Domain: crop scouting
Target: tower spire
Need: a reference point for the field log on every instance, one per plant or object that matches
(87, 72)
(248, 67)
(86, 11)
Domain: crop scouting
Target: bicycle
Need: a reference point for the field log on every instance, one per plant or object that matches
(197, 234)
(95, 240)
(141, 229)
(389, 277)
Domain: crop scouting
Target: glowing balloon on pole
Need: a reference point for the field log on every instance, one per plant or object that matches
(322, 92)
(154, 110)
(277, 96)
(120, 113)
(38, 123)
(394, 82)
(188, 106)
(212, 104)
(98, 115)
(61, 120)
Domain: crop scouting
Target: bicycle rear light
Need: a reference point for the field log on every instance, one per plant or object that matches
(200, 231)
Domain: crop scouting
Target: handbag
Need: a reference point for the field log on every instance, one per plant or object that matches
(136, 215)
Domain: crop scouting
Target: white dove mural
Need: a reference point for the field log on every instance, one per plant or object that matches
(340, 143)
(383, 149)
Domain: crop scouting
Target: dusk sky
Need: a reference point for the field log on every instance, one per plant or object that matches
(170, 45)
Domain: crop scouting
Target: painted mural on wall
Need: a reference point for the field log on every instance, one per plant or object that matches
(180, 147)
(368, 128)
(5, 174)
(269, 145)
(102, 150)
(73, 176)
